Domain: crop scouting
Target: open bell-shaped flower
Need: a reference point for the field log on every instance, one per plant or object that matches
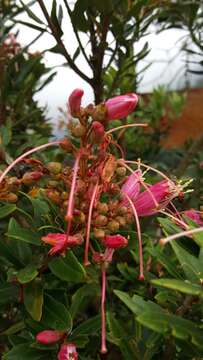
(68, 352)
(60, 241)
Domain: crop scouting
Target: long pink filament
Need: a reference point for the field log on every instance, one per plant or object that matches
(144, 185)
(69, 213)
(180, 222)
(103, 312)
(86, 260)
(183, 233)
(147, 167)
(20, 158)
(141, 277)
(125, 126)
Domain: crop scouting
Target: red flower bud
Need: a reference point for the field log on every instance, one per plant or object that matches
(115, 241)
(74, 101)
(68, 352)
(49, 336)
(194, 215)
(31, 177)
(98, 131)
(120, 106)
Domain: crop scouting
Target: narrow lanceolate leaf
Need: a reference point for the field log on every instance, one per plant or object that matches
(185, 287)
(8, 293)
(68, 268)
(27, 274)
(25, 352)
(191, 265)
(88, 327)
(157, 319)
(13, 329)
(17, 232)
(7, 210)
(55, 315)
(30, 13)
(33, 299)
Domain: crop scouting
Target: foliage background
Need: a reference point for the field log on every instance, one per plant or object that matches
(159, 318)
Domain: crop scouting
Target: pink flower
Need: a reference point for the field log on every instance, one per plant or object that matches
(154, 198)
(193, 215)
(49, 336)
(159, 192)
(74, 101)
(59, 241)
(131, 187)
(115, 241)
(68, 352)
(121, 106)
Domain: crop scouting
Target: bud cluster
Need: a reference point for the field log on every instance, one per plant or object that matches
(96, 197)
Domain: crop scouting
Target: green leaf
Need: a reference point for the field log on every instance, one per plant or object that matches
(81, 297)
(13, 329)
(55, 315)
(30, 13)
(15, 231)
(155, 318)
(7, 210)
(25, 352)
(165, 261)
(191, 266)
(8, 293)
(182, 286)
(197, 237)
(33, 299)
(68, 268)
(27, 274)
(54, 18)
(168, 226)
(88, 327)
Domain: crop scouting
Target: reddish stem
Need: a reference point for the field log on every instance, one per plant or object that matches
(86, 260)
(69, 213)
(103, 312)
(141, 276)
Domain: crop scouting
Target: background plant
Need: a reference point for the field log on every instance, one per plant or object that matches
(164, 312)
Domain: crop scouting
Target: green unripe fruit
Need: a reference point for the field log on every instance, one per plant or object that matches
(54, 167)
(99, 233)
(101, 220)
(121, 171)
(102, 208)
(113, 226)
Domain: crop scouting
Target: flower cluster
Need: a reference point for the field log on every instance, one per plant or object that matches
(98, 196)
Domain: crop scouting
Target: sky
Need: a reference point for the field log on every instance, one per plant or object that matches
(167, 63)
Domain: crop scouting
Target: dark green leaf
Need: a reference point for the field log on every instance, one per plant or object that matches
(192, 267)
(55, 315)
(33, 299)
(13, 329)
(7, 210)
(182, 286)
(68, 268)
(24, 352)
(88, 327)
(15, 231)
(27, 274)
(55, 20)
(8, 293)
(30, 13)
